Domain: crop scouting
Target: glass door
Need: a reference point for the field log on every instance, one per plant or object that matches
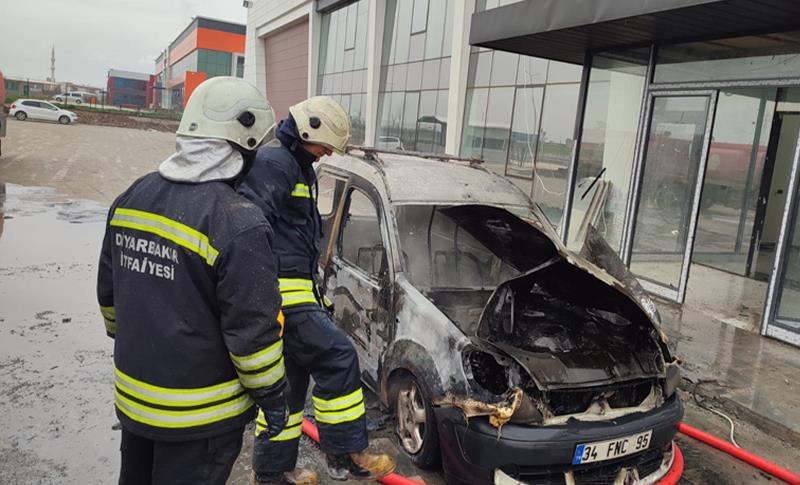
(672, 161)
(782, 314)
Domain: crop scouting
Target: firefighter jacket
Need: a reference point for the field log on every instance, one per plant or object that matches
(282, 182)
(187, 287)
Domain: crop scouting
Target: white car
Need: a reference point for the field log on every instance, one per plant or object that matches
(36, 109)
(389, 143)
(70, 97)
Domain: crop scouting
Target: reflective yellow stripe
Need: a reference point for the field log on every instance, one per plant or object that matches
(298, 297)
(165, 396)
(293, 428)
(339, 402)
(174, 231)
(301, 190)
(336, 417)
(108, 312)
(181, 419)
(263, 379)
(259, 359)
(111, 326)
(295, 284)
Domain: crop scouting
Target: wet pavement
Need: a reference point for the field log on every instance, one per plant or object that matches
(56, 414)
(757, 375)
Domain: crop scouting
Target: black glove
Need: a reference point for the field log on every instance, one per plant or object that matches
(275, 405)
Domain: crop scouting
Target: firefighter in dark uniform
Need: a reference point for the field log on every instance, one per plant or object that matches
(282, 183)
(187, 287)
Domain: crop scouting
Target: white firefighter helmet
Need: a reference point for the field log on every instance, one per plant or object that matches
(322, 121)
(228, 108)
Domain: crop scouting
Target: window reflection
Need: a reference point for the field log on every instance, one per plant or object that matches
(412, 96)
(343, 61)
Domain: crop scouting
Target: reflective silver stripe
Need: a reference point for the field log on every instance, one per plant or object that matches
(259, 359)
(339, 402)
(335, 417)
(263, 379)
(181, 419)
(176, 397)
(172, 230)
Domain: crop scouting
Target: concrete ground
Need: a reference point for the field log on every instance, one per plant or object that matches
(56, 415)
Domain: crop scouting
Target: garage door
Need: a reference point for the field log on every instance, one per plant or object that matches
(286, 54)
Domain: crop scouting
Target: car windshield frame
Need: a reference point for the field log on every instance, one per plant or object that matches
(426, 230)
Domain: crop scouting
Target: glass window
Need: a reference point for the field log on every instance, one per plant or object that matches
(472, 139)
(342, 60)
(766, 56)
(504, 68)
(525, 132)
(362, 244)
(608, 144)
(733, 177)
(498, 125)
(415, 57)
(419, 20)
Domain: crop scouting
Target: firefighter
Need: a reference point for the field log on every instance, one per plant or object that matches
(283, 183)
(187, 286)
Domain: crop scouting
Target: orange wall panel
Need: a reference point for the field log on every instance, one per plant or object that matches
(193, 79)
(217, 40)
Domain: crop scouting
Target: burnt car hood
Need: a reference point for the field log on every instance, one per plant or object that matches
(567, 321)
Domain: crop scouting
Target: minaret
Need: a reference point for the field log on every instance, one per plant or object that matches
(53, 64)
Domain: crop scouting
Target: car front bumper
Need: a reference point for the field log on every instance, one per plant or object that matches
(473, 452)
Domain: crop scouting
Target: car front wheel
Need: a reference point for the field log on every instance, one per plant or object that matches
(63, 119)
(21, 116)
(78, 101)
(415, 422)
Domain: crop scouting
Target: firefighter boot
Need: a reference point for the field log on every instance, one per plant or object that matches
(359, 466)
(298, 476)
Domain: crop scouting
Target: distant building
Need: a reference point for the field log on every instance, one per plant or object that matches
(206, 48)
(126, 88)
(30, 88)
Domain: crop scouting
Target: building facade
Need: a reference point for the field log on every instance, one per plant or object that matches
(671, 125)
(19, 87)
(129, 89)
(206, 48)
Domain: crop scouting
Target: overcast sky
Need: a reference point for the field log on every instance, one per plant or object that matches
(91, 36)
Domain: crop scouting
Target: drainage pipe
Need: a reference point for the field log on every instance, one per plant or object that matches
(765, 465)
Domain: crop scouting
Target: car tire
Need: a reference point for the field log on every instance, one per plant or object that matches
(415, 422)
(20, 115)
(78, 101)
(63, 119)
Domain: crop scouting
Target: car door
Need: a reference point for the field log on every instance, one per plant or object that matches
(32, 109)
(49, 111)
(360, 276)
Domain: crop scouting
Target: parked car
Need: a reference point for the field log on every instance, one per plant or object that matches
(37, 109)
(70, 97)
(497, 350)
(390, 143)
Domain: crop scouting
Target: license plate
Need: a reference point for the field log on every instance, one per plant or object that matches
(608, 450)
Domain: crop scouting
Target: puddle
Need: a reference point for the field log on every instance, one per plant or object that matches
(55, 360)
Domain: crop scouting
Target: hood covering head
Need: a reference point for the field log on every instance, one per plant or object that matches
(290, 138)
(198, 160)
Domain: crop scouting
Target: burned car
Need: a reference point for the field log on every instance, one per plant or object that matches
(498, 352)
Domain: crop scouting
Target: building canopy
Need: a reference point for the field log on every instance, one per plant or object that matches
(565, 30)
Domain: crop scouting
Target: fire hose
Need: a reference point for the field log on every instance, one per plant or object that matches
(672, 476)
(752, 459)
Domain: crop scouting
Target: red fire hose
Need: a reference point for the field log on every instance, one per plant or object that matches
(767, 466)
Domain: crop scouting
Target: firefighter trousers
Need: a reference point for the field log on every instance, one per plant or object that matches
(149, 462)
(314, 346)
